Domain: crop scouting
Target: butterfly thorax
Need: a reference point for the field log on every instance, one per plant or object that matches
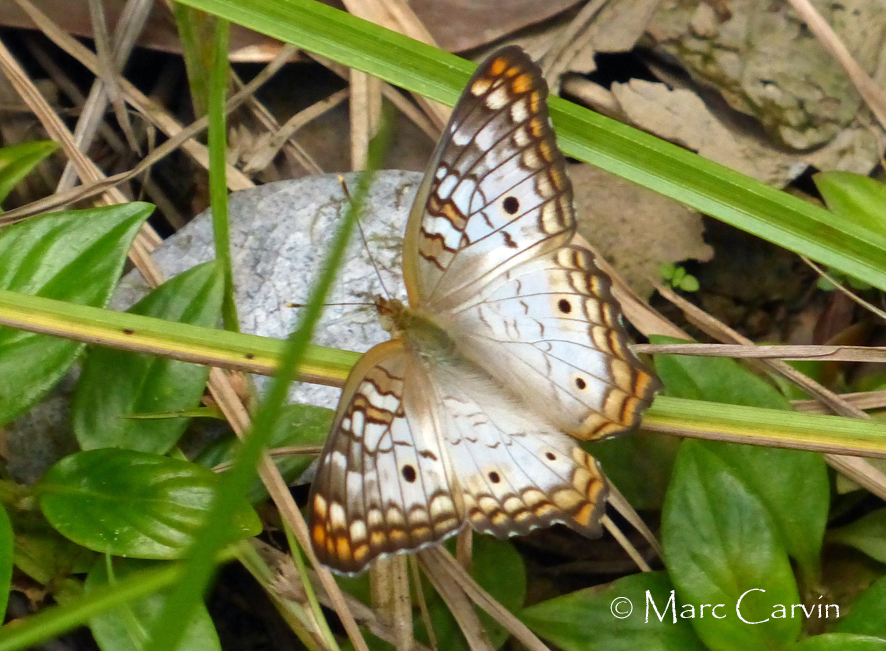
(420, 331)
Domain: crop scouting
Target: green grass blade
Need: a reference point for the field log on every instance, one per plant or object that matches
(126, 331)
(218, 185)
(661, 166)
(759, 426)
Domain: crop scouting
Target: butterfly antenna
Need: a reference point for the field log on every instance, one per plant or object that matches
(344, 187)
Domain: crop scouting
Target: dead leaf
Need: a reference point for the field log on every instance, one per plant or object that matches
(635, 229)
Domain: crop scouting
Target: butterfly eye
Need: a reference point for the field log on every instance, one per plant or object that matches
(494, 477)
(408, 473)
(511, 205)
(580, 383)
(564, 306)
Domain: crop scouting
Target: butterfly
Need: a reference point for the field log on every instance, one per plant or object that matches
(511, 347)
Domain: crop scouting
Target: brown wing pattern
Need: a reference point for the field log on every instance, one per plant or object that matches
(382, 485)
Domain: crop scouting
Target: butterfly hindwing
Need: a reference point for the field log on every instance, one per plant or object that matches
(553, 323)
(515, 473)
(382, 485)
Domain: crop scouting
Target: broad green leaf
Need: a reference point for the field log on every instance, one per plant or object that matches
(867, 534)
(6, 557)
(867, 614)
(17, 161)
(134, 504)
(722, 547)
(792, 485)
(124, 629)
(853, 197)
(73, 256)
(116, 385)
(298, 425)
(841, 642)
(637, 613)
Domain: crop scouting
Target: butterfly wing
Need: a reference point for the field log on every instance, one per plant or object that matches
(516, 472)
(496, 190)
(552, 325)
(383, 484)
(488, 253)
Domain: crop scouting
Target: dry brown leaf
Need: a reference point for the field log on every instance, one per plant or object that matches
(765, 62)
(683, 118)
(635, 229)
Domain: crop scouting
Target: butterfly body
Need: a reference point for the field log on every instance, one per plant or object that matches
(511, 346)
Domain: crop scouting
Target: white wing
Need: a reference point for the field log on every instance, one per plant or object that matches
(516, 472)
(549, 329)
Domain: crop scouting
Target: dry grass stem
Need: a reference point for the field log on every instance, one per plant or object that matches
(422, 602)
(389, 588)
(750, 351)
(456, 600)
(105, 87)
(625, 544)
(862, 400)
(445, 565)
(365, 108)
(262, 158)
(841, 288)
(172, 144)
(620, 504)
(155, 113)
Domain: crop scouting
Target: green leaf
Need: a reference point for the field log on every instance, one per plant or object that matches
(841, 642)
(6, 556)
(667, 270)
(792, 485)
(75, 257)
(855, 198)
(135, 504)
(867, 534)
(297, 425)
(689, 284)
(124, 629)
(45, 555)
(630, 614)
(17, 161)
(115, 384)
(720, 544)
(867, 614)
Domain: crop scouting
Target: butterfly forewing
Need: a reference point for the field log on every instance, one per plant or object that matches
(382, 485)
(496, 190)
